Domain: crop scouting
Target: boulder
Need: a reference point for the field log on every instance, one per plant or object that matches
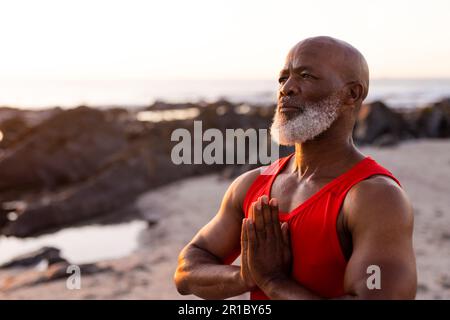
(69, 147)
(15, 123)
(434, 121)
(375, 120)
(106, 191)
(11, 129)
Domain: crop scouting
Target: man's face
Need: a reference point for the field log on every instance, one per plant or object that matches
(308, 95)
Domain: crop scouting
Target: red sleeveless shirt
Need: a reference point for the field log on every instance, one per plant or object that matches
(318, 262)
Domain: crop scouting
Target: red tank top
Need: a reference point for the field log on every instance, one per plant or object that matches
(318, 262)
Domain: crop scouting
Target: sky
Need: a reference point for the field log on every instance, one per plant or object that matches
(214, 39)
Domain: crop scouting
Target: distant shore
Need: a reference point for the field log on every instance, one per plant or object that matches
(138, 93)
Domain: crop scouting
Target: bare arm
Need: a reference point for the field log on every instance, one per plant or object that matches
(379, 217)
(381, 223)
(201, 270)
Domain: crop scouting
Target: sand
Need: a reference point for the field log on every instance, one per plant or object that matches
(182, 208)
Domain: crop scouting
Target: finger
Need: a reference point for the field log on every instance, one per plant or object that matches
(267, 215)
(252, 240)
(259, 220)
(285, 233)
(244, 240)
(275, 218)
(244, 245)
(252, 211)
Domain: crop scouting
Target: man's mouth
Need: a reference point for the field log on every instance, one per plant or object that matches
(286, 108)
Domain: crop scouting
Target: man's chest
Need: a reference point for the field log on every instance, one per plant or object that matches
(291, 195)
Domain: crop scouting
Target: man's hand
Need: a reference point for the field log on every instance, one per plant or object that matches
(246, 276)
(266, 252)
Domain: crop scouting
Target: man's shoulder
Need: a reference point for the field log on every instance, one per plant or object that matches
(243, 182)
(376, 186)
(378, 197)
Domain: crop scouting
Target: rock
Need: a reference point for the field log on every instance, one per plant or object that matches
(12, 129)
(445, 236)
(53, 272)
(386, 140)
(15, 123)
(161, 105)
(125, 173)
(444, 280)
(103, 193)
(66, 148)
(151, 223)
(84, 163)
(375, 120)
(50, 254)
(434, 121)
(422, 287)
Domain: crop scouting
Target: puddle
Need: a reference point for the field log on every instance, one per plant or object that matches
(80, 244)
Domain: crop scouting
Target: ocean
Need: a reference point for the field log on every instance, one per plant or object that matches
(399, 93)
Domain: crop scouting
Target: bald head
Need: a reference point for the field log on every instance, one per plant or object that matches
(323, 82)
(335, 57)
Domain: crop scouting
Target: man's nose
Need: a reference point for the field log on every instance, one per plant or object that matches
(289, 88)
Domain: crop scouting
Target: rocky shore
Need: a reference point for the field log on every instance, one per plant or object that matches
(62, 168)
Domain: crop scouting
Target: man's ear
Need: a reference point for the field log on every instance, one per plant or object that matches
(354, 93)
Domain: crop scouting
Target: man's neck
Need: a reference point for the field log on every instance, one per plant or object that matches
(324, 156)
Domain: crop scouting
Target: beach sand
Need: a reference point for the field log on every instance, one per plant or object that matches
(182, 208)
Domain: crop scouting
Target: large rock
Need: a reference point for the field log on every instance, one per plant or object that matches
(102, 194)
(15, 123)
(434, 120)
(85, 163)
(69, 147)
(376, 121)
(11, 129)
(144, 164)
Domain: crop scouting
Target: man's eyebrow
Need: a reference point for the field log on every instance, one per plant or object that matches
(297, 69)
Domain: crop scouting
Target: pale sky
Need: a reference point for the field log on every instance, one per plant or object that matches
(225, 39)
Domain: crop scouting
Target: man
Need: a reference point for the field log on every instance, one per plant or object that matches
(325, 222)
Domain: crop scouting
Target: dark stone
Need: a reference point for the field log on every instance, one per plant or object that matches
(67, 148)
(386, 140)
(51, 254)
(375, 120)
(434, 120)
(12, 129)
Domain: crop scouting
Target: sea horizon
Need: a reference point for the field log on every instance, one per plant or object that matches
(135, 93)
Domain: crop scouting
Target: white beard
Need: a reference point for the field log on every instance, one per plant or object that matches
(313, 120)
